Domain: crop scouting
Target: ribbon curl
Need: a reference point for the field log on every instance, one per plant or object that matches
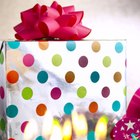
(52, 22)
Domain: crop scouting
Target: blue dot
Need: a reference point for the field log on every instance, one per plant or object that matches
(116, 106)
(119, 47)
(68, 108)
(91, 135)
(94, 76)
(11, 111)
(40, 138)
(71, 45)
(14, 44)
(42, 76)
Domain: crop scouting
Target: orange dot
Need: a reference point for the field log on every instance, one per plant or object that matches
(70, 76)
(117, 77)
(43, 45)
(12, 76)
(41, 109)
(93, 107)
(96, 46)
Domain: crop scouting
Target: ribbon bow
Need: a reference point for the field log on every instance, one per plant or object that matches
(51, 22)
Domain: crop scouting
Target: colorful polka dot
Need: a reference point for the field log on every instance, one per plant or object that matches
(69, 77)
(91, 135)
(12, 76)
(41, 109)
(2, 124)
(117, 77)
(93, 107)
(94, 76)
(96, 46)
(126, 63)
(55, 93)
(56, 60)
(28, 60)
(27, 93)
(119, 47)
(106, 61)
(40, 138)
(71, 45)
(81, 92)
(116, 106)
(125, 91)
(11, 139)
(43, 45)
(42, 77)
(11, 111)
(105, 92)
(1, 57)
(2, 93)
(83, 61)
(68, 108)
(23, 126)
(14, 44)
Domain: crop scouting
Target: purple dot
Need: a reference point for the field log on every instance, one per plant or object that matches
(28, 60)
(2, 92)
(105, 92)
(55, 93)
(83, 61)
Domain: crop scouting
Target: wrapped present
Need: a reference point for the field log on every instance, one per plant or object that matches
(60, 77)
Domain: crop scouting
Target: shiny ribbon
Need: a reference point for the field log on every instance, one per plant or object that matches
(54, 22)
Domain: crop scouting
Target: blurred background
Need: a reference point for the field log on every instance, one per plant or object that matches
(109, 19)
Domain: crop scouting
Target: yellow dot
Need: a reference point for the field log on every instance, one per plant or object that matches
(96, 46)
(43, 45)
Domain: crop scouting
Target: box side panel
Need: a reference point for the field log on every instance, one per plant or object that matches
(3, 120)
(62, 76)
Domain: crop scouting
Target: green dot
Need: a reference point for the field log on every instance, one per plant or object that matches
(56, 60)
(125, 91)
(81, 92)
(1, 58)
(2, 124)
(106, 61)
(27, 93)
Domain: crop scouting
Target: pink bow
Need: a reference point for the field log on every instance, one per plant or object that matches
(52, 22)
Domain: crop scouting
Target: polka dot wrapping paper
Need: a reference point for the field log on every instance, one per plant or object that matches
(59, 77)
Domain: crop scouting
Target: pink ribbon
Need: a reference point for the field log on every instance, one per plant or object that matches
(132, 117)
(59, 22)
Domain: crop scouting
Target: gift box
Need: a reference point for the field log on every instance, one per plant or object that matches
(60, 77)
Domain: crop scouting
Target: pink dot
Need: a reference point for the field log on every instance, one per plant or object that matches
(23, 125)
(55, 93)
(2, 94)
(28, 60)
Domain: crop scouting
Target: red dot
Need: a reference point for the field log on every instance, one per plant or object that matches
(11, 139)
